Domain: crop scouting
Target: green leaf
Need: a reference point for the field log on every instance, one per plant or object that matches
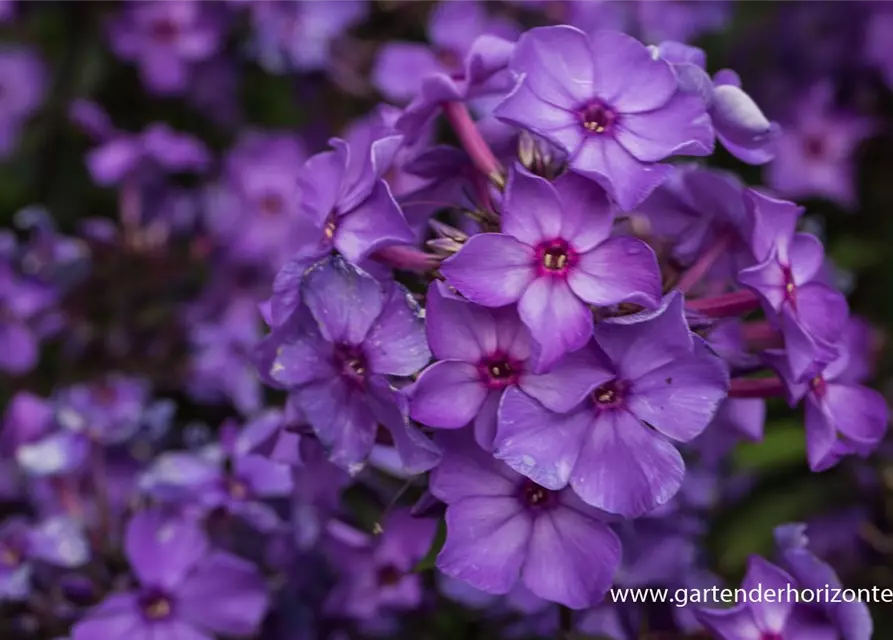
(427, 563)
(783, 446)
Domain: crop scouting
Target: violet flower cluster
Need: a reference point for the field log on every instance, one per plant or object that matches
(492, 333)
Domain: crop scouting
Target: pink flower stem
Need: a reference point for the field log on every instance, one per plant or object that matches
(761, 334)
(473, 143)
(756, 387)
(407, 258)
(726, 304)
(702, 265)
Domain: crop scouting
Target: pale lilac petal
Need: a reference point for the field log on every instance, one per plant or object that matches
(807, 255)
(679, 127)
(633, 348)
(769, 616)
(320, 184)
(586, 213)
(492, 269)
(537, 443)
(458, 329)
(532, 212)
(486, 542)
(468, 471)
(267, 478)
(486, 420)
(568, 383)
(116, 617)
(859, 414)
(571, 559)
(627, 180)
(375, 223)
(390, 406)
(225, 594)
(558, 321)
(823, 450)
(396, 343)
(680, 399)
(19, 348)
(448, 395)
(163, 548)
(627, 77)
(341, 419)
(734, 623)
(557, 65)
(400, 67)
(626, 468)
(344, 301)
(523, 109)
(622, 269)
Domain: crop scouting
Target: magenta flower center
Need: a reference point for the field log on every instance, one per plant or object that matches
(609, 395)
(814, 147)
(536, 496)
(771, 635)
(818, 386)
(351, 362)
(165, 30)
(156, 605)
(597, 117)
(389, 575)
(9, 556)
(555, 257)
(499, 371)
(790, 289)
(271, 205)
(237, 489)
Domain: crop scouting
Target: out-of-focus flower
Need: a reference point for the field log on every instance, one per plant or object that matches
(166, 39)
(816, 154)
(23, 82)
(609, 104)
(186, 589)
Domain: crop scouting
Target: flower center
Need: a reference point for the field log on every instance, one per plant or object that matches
(389, 575)
(609, 395)
(814, 147)
(156, 605)
(818, 386)
(330, 227)
(271, 205)
(790, 289)
(237, 489)
(351, 361)
(771, 635)
(555, 257)
(10, 557)
(597, 117)
(165, 30)
(535, 495)
(499, 371)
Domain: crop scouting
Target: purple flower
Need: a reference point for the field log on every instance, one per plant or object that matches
(21, 300)
(377, 576)
(788, 278)
(680, 19)
(609, 104)
(126, 155)
(852, 620)
(335, 355)
(23, 82)
(185, 588)
(401, 67)
(644, 382)
(166, 40)
(57, 541)
(255, 214)
(554, 257)
(739, 123)
(347, 204)
(300, 35)
(778, 619)
(503, 528)
(816, 155)
(843, 417)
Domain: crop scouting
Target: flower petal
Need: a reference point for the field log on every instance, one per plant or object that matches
(626, 468)
(396, 343)
(375, 222)
(163, 548)
(531, 209)
(458, 329)
(681, 126)
(491, 269)
(559, 322)
(567, 384)
(537, 443)
(344, 301)
(448, 395)
(621, 269)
